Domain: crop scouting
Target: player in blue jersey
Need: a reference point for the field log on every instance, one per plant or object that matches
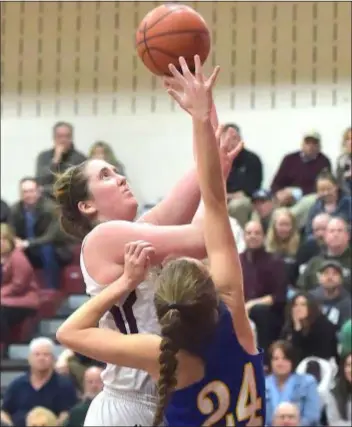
(206, 364)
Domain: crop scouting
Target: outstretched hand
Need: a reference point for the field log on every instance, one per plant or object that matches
(192, 92)
(230, 146)
(137, 261)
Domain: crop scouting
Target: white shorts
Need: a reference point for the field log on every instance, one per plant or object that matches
(121, 408)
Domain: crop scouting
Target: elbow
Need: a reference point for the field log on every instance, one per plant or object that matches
(64, 336)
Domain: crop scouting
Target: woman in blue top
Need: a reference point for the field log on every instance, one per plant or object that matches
(285, 385)
(206, 363)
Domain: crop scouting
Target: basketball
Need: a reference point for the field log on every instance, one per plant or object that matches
(168, 32)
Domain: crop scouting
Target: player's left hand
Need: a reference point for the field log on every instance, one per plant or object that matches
(196, 94)
(137, 262)
(230, 147)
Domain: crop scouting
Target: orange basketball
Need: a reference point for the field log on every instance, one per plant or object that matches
(168, 32)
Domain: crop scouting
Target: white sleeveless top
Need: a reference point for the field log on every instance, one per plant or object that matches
(135, 315)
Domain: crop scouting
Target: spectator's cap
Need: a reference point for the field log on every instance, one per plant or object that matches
(312, 135)
(261, 195)
(333, 264)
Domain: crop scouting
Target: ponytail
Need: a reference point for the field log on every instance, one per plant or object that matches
(168, 363)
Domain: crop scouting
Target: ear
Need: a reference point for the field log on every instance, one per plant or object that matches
(87, 207)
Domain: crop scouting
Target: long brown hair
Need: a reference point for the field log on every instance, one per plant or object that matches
(70, 188)
(313, 309)
(185, 299)
(342, 390)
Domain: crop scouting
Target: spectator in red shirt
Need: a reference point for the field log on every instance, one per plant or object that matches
(265, 285)
(294, 182)
(19, 289)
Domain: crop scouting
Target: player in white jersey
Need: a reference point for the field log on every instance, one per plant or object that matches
(98, 206)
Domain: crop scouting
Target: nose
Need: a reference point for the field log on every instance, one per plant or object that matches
(121, 180)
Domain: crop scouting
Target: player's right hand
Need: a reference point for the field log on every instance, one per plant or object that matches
(137, 261)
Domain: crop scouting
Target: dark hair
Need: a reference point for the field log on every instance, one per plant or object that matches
(313, 313)
(287, 349)
(70, 188)
(185, 299)
(233, 126)
(326, 174)
(343, 389)
(28, 178)
(62, 124)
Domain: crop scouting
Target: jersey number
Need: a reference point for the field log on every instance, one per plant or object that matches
(247, 406)
(125, 315)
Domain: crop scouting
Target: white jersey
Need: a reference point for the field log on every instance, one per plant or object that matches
(135, 315)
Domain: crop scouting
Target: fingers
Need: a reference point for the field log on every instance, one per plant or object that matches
(177, 97)
(139, 250)
(185, 70)
(236, 151)
(177, 75)
(171, 83)
(219, 132)
(212, 79)
(198, 69)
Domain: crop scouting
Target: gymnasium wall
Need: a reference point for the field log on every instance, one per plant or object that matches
(286, 68)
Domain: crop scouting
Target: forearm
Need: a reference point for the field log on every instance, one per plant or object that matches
(265, 300)
(89, 314)
(214, 117)
(47, 237)
(208, 163)
(179, 206)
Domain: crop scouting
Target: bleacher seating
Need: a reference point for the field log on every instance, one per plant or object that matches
(55, 306)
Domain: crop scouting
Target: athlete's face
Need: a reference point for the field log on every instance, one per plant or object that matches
(280, 365)
(112, 198)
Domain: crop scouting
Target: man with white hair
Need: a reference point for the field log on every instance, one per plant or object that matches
(41, 386)
(286, 415)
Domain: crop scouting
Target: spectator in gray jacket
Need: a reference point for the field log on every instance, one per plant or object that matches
(331, 294)
(59, 158)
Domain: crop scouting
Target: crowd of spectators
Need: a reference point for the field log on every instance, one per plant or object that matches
(295, 250)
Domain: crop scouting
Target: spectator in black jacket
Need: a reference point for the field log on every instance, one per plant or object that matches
(4, 212)
(245, 178)
(306, 325)
(59, 158)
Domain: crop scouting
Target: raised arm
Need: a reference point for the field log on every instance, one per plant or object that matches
(180, 205)
(221, 248)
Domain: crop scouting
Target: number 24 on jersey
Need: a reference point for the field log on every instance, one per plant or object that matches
(248, 402)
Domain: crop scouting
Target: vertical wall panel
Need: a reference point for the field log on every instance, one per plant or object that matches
(79, 57)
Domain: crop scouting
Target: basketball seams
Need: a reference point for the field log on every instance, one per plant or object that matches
(171, 33)
(166, 14)
(147, 50)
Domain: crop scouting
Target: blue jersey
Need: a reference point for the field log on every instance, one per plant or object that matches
(232, 392)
